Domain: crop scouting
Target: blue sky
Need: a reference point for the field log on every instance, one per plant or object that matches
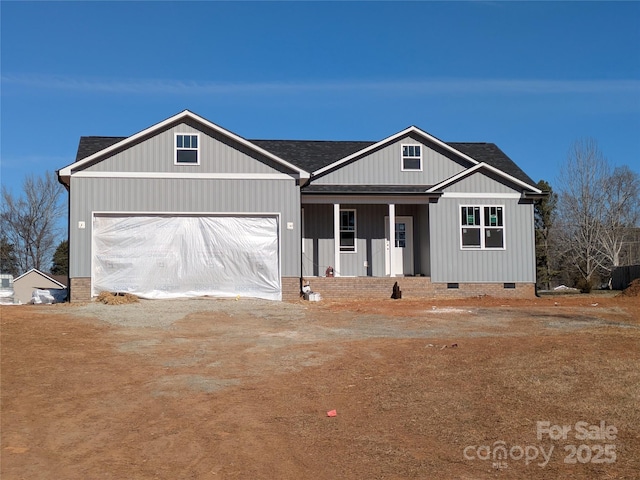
(531, 77)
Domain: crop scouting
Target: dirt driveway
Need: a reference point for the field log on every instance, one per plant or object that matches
(205, 388)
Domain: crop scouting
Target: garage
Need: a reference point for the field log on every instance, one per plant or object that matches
(173, 256)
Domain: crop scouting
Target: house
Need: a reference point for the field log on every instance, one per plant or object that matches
(186, 208)
(25, 284)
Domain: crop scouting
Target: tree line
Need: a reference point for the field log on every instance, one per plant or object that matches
(585, 227)
(590, 224)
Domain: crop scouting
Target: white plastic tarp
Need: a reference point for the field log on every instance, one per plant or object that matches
(41, 296)
(187, 256)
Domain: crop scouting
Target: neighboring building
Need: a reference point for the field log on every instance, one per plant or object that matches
(6, 289)
(25, 284)
(186, 208)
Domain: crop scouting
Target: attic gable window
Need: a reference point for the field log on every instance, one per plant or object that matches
(411, 158)
(187, 151)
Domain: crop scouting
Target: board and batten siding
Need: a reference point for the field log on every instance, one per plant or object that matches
(207, 196)
(384, 167)
(481, 182)
(450, 263)
(218, 154)
(319, 244)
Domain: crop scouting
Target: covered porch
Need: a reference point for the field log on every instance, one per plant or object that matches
(366, 236)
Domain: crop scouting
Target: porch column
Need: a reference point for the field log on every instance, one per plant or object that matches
(392, 237)
(336, 239)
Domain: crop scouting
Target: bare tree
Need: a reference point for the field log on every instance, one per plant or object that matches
(581, 207)
(622, 212)
(597, 209)
(29, 221)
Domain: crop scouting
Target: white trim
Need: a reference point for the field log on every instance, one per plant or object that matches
(482, 228)
(406, 131)
(392, 237)
(138, 213)
(402, 157)
(412, 199)
(302, 227)
(336, 239)
(193, 175)
(65, 172)
(175, 148)
(477, 167)
(515, 196)
(41, 274)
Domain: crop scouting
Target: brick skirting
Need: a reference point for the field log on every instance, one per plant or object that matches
(80, 289)
(411, 287)
(364, 287)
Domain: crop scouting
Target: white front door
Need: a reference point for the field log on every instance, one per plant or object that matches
(401, 247)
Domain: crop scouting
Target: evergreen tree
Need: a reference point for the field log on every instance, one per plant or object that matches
(8, 261)
(61, 259)
(544, 215)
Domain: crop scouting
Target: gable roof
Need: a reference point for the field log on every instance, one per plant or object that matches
(120, 142)
(473, 153)
(317, 156)
(465, 173)
(312, 155)
(490, 154)
(38, 272)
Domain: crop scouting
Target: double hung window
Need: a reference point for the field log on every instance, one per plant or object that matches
(347, 230)
(482, 227)
(411, 157)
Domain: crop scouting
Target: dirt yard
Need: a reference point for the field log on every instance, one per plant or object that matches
(240, 389)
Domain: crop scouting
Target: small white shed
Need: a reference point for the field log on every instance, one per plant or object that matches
(25, 284)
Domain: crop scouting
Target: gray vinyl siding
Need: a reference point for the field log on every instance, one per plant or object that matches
(422, 243)
(480, 182)
(218, 154)
(383, 167)
(123, 195)
(370, 242)
(449, 263)
(318, 240)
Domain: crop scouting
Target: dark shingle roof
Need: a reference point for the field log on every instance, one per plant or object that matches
(490, 153)
(90, 145)
(312, 155)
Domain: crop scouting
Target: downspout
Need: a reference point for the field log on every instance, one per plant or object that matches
(301, 282)
(68, 189)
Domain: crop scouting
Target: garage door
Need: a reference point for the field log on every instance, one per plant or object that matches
(186, 256)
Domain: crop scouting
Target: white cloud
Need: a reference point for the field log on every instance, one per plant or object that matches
(431, 86)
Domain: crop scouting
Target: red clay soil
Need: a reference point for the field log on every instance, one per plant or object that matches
(237, 395)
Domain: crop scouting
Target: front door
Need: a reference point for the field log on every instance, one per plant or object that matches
(401, 247)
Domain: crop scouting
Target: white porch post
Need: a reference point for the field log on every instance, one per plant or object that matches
(392, 237)
(336, 239)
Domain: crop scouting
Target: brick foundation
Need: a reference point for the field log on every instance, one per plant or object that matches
(412, 287)
(80, 289)
(364, 287)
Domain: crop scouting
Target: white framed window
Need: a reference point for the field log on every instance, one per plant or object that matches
(187, 149)
(411, 157)
(348, 230)
(482, 227)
